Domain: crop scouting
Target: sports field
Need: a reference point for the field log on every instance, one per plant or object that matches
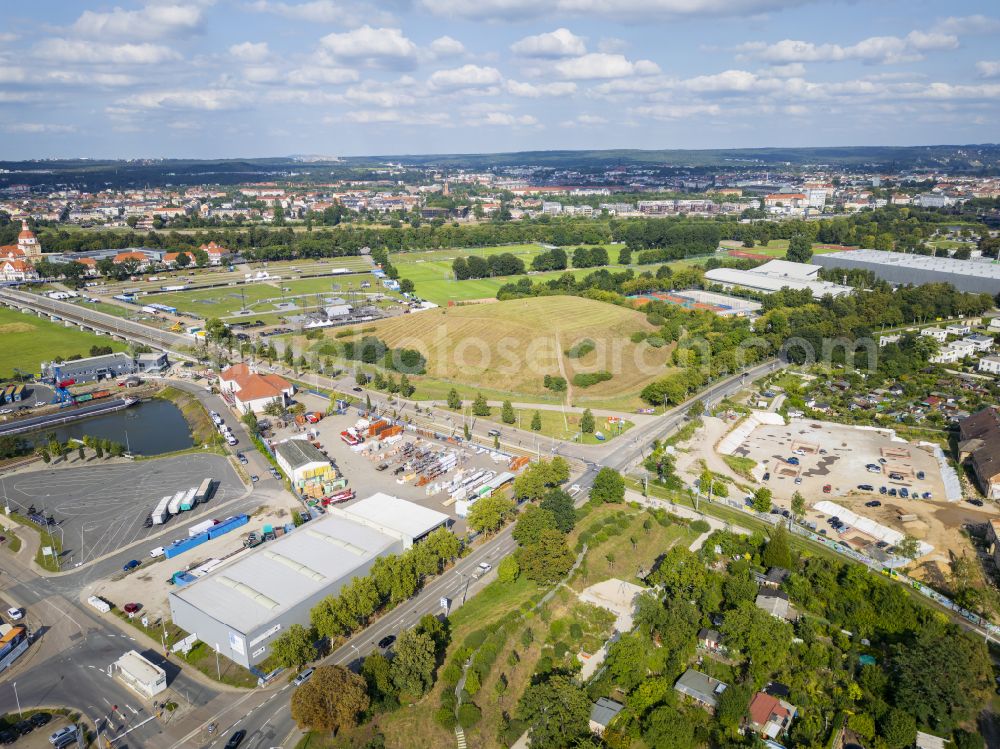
(776, 248)
(510, 346)
(29, 340)
(264, 296)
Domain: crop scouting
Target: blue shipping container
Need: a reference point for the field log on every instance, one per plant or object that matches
(186, 545)
(227, 525)
(183, 578)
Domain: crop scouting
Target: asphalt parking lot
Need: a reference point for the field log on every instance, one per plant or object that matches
(836, 455)
(101, 509)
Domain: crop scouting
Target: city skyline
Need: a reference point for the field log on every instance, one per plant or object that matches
(232, 78)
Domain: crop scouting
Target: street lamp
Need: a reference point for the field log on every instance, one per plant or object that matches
(17, 699)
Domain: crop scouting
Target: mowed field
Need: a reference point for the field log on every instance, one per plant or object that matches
(263, 296)
(431, 273)
(777, 248)
(29, 340)
(510, 346)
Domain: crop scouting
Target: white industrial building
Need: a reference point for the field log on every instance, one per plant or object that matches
(392, 516)
(776, 275)
(974, 275)
(240, 607)
(141, 674)
(299, 458)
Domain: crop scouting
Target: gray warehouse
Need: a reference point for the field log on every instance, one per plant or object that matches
(978, 275)
(241, 607)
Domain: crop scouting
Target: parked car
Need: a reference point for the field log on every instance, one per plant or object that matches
(130, 565)
(131, 608)
(493, 433)
(303, 677)
(255, 478)
(15, 614)
(827, 488)
(892, 492)
(236, 739)
(928, 495)
(386, 641)
(798, 479)
(793, 461)
(40, 719)
(767, 475)
(920, 474)
(276, 473)
(873, 503)
(24, 727)
(975, 502)
(882, 490)
(866, 487)
(357, 389)
(904, 492)
(7, 737)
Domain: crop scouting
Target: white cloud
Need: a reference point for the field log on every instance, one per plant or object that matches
(628, 10)
(381, 47)
(36, 128)
(65, 50)
(208, 100)
(152, 21)
(373, 94)
(263, 74)
(675, 111)
(598, 65)
(393, 117)
(342, 13)
(538, 90)
(975, 24)
(612, 44)
(586, 120)
(467, 76)
(322, 74)
(64, 77)
(7, 36)
(988, 68)
(445, 46)
(505, 119)
(250, 51)
(789, 70)
(559, 43)
(883, 49)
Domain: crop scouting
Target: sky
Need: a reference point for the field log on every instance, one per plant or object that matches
(255, 78)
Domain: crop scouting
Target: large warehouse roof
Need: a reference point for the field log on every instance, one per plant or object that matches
(264, 583)
(393, 516)
(751, 279)
(298, 453)
(905, 268)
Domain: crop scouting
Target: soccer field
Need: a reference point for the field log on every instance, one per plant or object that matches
(29, 340)
(264, 296)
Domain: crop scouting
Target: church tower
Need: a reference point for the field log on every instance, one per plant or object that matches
(27, 243)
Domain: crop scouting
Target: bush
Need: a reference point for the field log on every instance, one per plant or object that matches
(638, 336)
(557, 629)
(576, 630)
(560, 649)
(586, 379)
(468, 715)
(476, 639)
(445, 718)
(555, 383)
(656, 341)
(581, 349)
(700, 526)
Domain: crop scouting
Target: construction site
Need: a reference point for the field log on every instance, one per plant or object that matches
(720, 304)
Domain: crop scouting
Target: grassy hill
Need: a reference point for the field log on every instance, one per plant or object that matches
(510, 346)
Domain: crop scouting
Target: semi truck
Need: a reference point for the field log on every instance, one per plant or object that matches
(161, 513)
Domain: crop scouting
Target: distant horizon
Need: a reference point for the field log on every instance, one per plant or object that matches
(307, 158)
(218, 78)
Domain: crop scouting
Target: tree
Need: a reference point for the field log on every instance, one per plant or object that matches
(557, 712)
(330, 701)
(587, 422)
(609, 486)
(530, 524)
(250, 420)
(479, 406)
(507, 414)
(508, 570)
(183, 260)
(80, 453)
(46, 458)
(406, 286)
(201, 258)
(547, 560)
(560, 504)
(762, 500)
(454, 402)
(898, 729)
(696, 409)
(799, 249)
(798, 505)
(489, 514)
(732, 705)
(406, 388)
(294, 647)
(536, 422)
(376, 673)
(413, 663)
(777, 552)
(666, 727)
(909, 547)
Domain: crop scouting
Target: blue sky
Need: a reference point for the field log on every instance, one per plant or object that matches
(232, 78)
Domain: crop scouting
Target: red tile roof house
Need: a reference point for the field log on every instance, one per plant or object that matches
(769, 716)
(216, 253)
(252, 391)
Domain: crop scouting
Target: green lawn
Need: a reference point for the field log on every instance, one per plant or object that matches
(261, 297)
(29, 340)
(563, 426)
(431, 271)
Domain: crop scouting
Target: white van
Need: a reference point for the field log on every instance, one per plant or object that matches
(159, 551)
